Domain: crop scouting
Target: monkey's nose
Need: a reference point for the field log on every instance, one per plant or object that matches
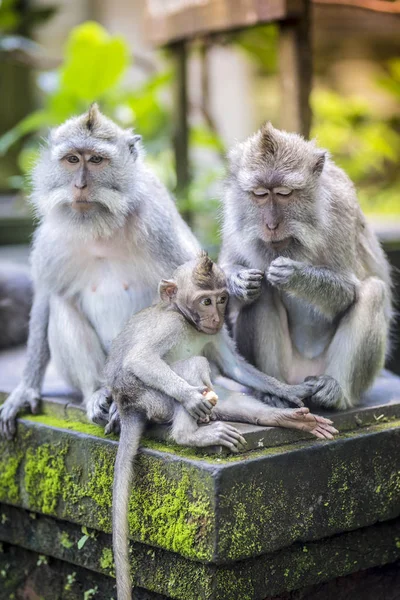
(80, 186)
(272, 226)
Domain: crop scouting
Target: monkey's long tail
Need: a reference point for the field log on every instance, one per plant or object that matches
(132, 427)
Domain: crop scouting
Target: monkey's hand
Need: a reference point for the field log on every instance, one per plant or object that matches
(291, 395)
(245, 284)
(98, 406)
(196, 403)
(284, 272)
(22, 397)
(328, 392)
(114, 422)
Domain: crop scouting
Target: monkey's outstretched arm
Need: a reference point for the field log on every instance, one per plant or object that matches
(330, 292)
(27, 393)
(222, 351)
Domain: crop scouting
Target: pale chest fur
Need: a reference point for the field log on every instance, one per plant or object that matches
(108, 280)
(192, 344)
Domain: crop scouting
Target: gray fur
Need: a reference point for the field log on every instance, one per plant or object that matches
(158, 370)
(324, 307)
(93, 269)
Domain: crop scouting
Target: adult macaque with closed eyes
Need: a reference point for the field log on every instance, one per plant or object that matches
(323, 308)
(108, 232)
(158, 371)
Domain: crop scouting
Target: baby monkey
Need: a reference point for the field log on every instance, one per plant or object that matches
(158, 370)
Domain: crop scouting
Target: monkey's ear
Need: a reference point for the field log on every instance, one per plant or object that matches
(167, 289)
(268, 139)
(133, 142)
(320, 158)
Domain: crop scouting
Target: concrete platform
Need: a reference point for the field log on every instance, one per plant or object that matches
(287, 513)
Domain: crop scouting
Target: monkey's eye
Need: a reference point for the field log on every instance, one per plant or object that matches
(96, 159)
(283, 191)
(260, 192)
(71, 158)
(222, 300)
(206, 301)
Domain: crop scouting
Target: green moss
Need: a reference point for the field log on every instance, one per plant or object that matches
(65, 541)
(93, 489)
(10, 460)
(52, 421)
(107, 562)
(234, 583)
(190, 582)
(171, 509)
(44, 474)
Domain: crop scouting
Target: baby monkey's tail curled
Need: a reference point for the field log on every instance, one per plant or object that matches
(132, 427)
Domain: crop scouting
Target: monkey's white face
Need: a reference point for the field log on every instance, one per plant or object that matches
(273, 207)
(276, 209)
(84, 169)
(273, 190)
(88, 188)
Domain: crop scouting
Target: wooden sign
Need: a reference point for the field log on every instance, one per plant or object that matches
(170, 21)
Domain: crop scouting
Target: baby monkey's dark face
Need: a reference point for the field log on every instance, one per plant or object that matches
(209, 306)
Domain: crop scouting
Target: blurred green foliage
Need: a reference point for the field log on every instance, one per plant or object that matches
(15, 18)
(364, 144)
(95, 68)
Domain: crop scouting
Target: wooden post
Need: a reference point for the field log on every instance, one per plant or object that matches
(181, 128)
(295, 68)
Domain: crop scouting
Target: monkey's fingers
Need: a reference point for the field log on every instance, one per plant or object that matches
(208, 406)
(235, 433)
(253, 285)
(7, 422)
(295, 401)
(322, 433)
(251, 275)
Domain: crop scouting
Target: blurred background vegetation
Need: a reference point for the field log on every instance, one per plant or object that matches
(359, 122)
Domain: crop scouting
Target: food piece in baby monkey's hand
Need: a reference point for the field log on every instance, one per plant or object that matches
(212, 399)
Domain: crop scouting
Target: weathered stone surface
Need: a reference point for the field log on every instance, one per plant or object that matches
(27, 575)
(377, 583)
(205, 508)
(173, 576)
(209, 526)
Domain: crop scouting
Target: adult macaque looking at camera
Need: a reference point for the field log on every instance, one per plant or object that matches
(109, 231)
(158, 371)
(310, 280)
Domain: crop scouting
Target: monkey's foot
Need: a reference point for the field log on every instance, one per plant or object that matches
(328, 392)
(98, 406)
(222, 434)
(302, 419)
(114, 422)
(21, 398)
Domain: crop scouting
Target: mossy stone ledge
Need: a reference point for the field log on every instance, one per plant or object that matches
(290, 512)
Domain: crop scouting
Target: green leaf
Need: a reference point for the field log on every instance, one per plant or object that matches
(95, 62)
(32, 122)
(82, 541)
